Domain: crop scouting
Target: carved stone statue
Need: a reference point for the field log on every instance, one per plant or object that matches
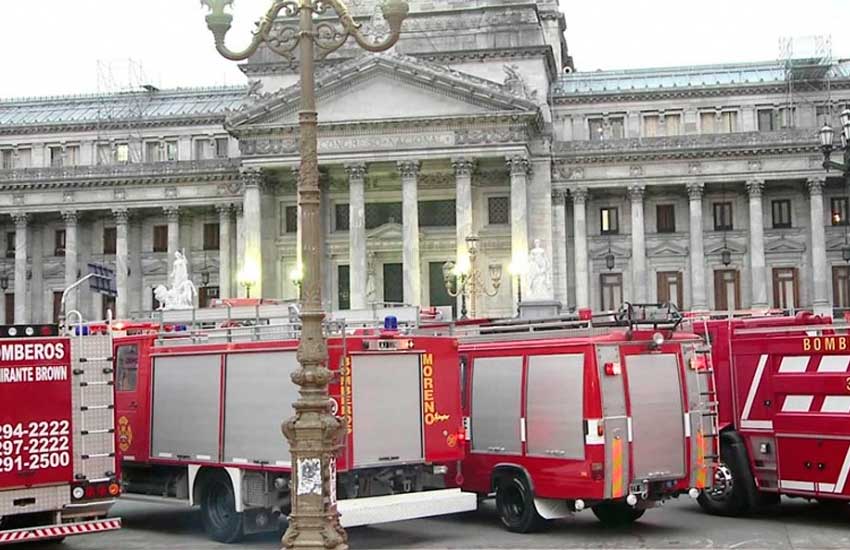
(517, 85)
(182, 293)
(539, 274)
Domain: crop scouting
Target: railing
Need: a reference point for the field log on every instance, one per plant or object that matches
(118, 170)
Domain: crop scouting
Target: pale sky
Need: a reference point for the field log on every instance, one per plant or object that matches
(50, 47)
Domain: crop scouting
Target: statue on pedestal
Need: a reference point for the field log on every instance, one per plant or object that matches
(539, 274)
(182, 293)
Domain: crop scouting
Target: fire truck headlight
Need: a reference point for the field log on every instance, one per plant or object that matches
(441, 470)
(29, 331)
(579, 505)
(12, 331)
(657, 339)
(631, 500)
(78, 492)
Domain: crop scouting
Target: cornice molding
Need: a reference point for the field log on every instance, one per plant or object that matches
(91, 126)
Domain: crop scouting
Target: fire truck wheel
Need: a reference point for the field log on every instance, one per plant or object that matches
(218, 508)
(616, 514)
(728, 495)
(515, 503)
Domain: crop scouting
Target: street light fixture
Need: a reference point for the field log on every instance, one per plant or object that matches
(314, 434)
(518, 268)
(466, 280)
(247, 278)
(827, 143)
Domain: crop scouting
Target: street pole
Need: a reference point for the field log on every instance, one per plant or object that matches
(314, 433)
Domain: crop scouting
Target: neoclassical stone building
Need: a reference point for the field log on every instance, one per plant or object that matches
(635, 183)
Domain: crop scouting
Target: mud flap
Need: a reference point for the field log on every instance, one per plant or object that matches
(550, 508)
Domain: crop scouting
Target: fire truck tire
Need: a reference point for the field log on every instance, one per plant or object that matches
(730, 495)
(616, 514)
(218, 509)
(515, 504)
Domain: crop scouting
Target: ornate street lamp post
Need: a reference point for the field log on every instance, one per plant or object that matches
(314, 433)
(464, 279)
(827, 143)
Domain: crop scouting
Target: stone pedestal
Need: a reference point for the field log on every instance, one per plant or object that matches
(540, 309)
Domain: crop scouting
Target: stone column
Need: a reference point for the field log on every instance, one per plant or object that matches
(71, 263)
(519, 169)
(579, 195)
(820, 293)
(172, 214)
(409, 171)
(225, 277)
(240, 249)
(559, 246)
(639, 281)
(21, 309)
(357, 269)
(122, 256)
(252, 263)
(463, 205)
(758, 267)
(698, 290)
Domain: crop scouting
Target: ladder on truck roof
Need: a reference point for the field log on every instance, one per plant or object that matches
(629, 316)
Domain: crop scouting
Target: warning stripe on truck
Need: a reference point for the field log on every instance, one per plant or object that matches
(58, 531)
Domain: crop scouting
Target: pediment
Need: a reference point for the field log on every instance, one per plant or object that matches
(381, 87)
(667, 249)
(391, 232)
(599, 252)
(836, 243)
(784, 244)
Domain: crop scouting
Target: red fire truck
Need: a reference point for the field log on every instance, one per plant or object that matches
(613, 416)
(200, 410)
(58, 474)
(783, 387)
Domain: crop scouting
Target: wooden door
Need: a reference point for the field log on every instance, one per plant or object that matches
(10, 308)
(786, 290)
(727, 290)
(393, 284)
(670, 288)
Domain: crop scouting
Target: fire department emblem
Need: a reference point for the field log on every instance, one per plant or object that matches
(125, 434)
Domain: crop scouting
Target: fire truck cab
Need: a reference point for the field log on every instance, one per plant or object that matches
(200, 413)
(783, 387)
(612, 415)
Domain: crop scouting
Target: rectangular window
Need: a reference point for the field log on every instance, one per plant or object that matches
(8, 159)
(153, 151)
(670, 288)
(55, 157)
(206, 294)
(10, 244)
(723, 216)
(221, 145)
(437, 213)
(122, 153)
(498, 210)
(383, 213)
(672, 125)
(72, 155)
(708, 123)
(10, 308)
(728, 122)
(766, 120)
(609, 220)
(595, 127)
(840, 287)
(785, 292)
(57, 306)
(110, 239)
(107, 305)
(781, 214)
(291, 222)
(343, 287)
(59, 243)
(211, 236)
(342, 214)
(611, 286)
(617, 127)
(126, 367)
(24, 159)
(171, 151)
(662, 125)
(104, 154)
(666, 218)
(202, 147)
(160, 238)
(838, 210)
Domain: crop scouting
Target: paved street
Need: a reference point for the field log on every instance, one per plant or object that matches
(678, 525)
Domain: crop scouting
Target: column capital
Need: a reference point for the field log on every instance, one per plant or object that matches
(636, 192)
(252, 177)
(579, 195)
(463, 166)
(518, 165)
(816, 184)
(409, 168)
(172, 213)
(70, 217)
(224, 210)
(755, 187)
(559, 197)
(20, 219)
(695, 191)
(357, 172)
(122, 216)
(239, 209)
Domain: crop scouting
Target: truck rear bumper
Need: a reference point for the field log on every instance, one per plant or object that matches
(59, 531)
(374, 510)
